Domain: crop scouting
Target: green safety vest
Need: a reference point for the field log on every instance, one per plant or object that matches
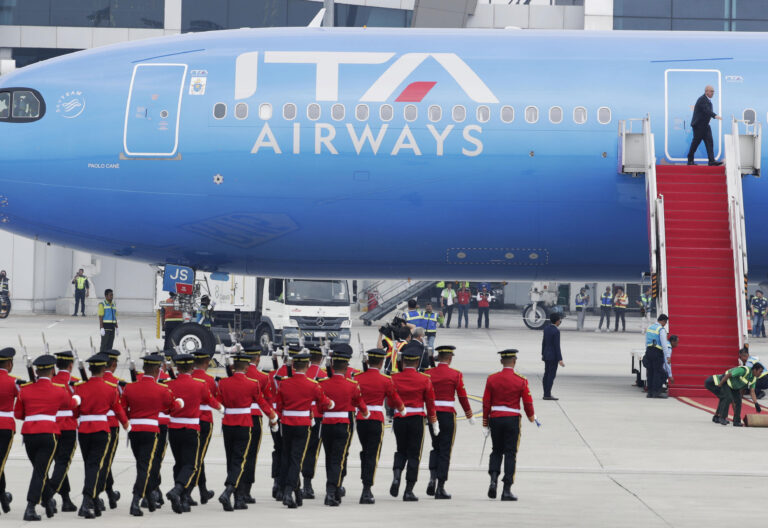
(80, 282)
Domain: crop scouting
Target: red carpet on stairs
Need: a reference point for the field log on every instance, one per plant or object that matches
(700, 274)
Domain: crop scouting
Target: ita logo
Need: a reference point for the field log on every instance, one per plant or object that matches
(71, 104)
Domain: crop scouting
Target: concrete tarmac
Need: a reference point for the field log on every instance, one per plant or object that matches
(604, 456)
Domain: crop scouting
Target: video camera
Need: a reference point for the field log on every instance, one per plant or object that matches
(388, 330)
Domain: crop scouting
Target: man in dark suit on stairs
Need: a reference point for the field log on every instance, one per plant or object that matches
(702, 114)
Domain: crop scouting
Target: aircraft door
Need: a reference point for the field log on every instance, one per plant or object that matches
(682, 89)
(153, 110)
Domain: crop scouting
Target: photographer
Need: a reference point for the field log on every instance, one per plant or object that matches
(392, 338)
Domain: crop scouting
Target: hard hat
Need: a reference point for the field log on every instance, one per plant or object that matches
(751, 361)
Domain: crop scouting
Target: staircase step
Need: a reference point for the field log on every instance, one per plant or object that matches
(667, 179)
(690, 169)
(697, 224)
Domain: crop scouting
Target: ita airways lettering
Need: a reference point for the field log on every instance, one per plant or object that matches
(327, 76)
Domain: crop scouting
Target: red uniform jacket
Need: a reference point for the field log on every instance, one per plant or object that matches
(206, 412)
(316, 373)
(295, 396)
(374, 387)
(144, 400)
(449, 383)
(66, 419)
(38, 404)
(351, 372)
(415, 389)
(503, 392)
(238, 394)
(347, 398)
(98, 398)
(265, 386)
(115, 382)
(194, 393)
(8, 392)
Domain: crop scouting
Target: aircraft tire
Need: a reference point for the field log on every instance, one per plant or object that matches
(192, 336)
(535, 321)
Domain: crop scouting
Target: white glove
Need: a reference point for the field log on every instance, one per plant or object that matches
(274, 426)
(472, 420)
(403, 412)
(180, 402)
(436, 429)
(332, 405)
(117, 332)
(77, 399)
(103, 332)
(222, 410)
(367, 415)
(486, 432)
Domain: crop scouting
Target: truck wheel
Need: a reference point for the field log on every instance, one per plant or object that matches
(264, 336)
(534, 319)
(191, 337)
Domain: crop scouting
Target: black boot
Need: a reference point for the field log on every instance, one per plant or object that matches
(367, 496)
(98, 506)
(394, 489)
(149, 502)
(30, 514)
(189, 500)
(5, 501)
(205, 494)
(340, 492)
(50, 507)
(275, 489)
(86, 508)
(186, 503)
(492, 487)
(440, 492)
(66, 503)
(288, 498)
(240, 502)
(408, 495)
(307, 491)
(175, 497)
(297, 497)
(112, 497)
(226, 498)
(432, 482)
(136, 506)
(330, 495)
(247, 495)
(158, 496)
(506, 494)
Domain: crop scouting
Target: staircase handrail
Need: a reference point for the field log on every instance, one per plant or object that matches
(733, 174)
(661, 300)
(651, 186)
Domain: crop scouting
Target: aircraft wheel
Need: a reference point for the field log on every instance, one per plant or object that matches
(535, 319)
(191, 337)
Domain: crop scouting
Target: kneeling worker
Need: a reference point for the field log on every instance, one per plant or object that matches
(728, 389)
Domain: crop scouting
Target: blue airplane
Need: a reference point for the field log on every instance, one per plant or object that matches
(320, 152)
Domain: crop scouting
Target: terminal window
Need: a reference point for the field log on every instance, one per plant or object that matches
(691, 15)
(84, 13)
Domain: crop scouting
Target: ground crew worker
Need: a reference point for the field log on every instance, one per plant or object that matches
(375, 388)
(413, 316)
(728, 387)
(448, 383)
(172, 319)
(294, 398)
(447, 301)
(501, 419)
(415, 389)
(202, 361)
(142, 402)
(107, 480)
(582, 301)
(657, 348)
(4, 289)
(238, 394)
(483, 305)
(606, 302)
(315, 372)
(620, 302)
(645, 308)
(82, 290)
(184, 431)
(430, 326)
(107, 321)
(37, 405)
(265, 387)
(98, 397)
(9, 390)
(759, 306)
(66, 442)
(205, 312)
(336, 427)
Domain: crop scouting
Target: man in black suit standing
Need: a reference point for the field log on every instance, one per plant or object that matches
(702, 114)
(550, 353)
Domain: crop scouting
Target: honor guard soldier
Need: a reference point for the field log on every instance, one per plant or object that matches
(107, 321)
(202, 363)
(277, 436)
(184, 431)
(315, 372)
(98, 397)
(143, 401)
(238, 394)
(295, 396)
(108, 480)
(37, 405)
(9, 390)
(265, 386)
(447, 383)
(67, 439)
(163, 419)
(336, 426)
(415, 389)
(501, 419)
(375, 387)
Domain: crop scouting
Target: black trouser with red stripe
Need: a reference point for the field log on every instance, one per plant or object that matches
(442, 445)
(206, 431)
(409, 437)
(295, 440)
(40, 449)
(185, 444)
(95, 450)
(253, 450)
(371, 434)
(144, 445)
(336, 438)
(237, 443)
(313, 451)
(106, 479)
(65, 450)
(157, 462)
(6, 441)
(505, 434)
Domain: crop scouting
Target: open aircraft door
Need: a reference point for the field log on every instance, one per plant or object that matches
(153, 110)
(682, 88)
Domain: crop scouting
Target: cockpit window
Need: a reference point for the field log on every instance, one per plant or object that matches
(5, 104)
(26, 105)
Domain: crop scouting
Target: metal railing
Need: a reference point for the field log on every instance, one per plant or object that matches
(662, 305)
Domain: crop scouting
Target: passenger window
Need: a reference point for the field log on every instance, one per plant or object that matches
(241, 110)
(265, 111)
(483, 114)
(337, 112)
(410, 112)
(386, 112)
(531, 114)
(459, 113)
(25, 105)
(507, 114)
(361, 112)
(435, 113)
(313, 111)
(749, 116)
(555, 115)
(5, 105)
(579, 115)
(289, 111)
(220, 110)
(603, 115)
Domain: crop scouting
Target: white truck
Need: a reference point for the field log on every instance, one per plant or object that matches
(259, 310)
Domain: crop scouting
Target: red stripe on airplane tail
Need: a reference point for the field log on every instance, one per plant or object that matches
(415, 92)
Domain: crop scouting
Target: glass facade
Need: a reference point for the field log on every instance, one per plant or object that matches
(27, 56)
(691, 15)
(84, 13)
